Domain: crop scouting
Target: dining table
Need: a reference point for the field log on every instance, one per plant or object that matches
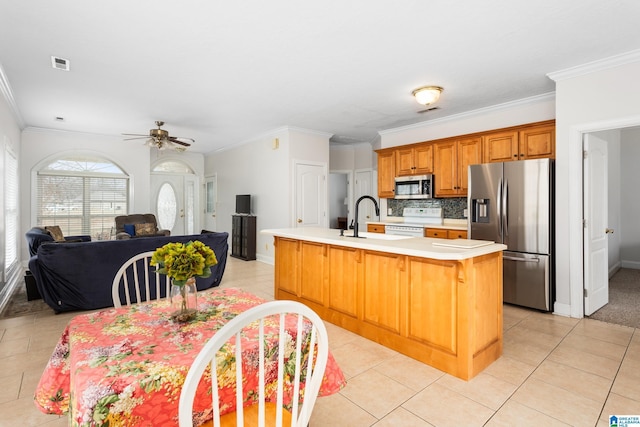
(126, 366)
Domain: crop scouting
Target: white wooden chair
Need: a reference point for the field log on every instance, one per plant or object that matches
(138, 268)
(263, 413)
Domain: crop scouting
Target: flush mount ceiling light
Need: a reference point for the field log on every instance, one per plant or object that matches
(427, 94)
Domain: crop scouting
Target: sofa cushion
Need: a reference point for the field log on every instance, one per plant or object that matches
(145, 229)
(55, 232)
(130, 229)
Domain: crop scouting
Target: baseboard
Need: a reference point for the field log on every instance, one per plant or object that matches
(562, 309)
(266, 259)
(631, 264)
(614, 269)
(13, 281)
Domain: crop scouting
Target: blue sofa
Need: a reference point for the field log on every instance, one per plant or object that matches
(78, 275)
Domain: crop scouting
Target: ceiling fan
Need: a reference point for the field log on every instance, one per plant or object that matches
(161, 139)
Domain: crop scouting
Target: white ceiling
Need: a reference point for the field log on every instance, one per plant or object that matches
(225, 72)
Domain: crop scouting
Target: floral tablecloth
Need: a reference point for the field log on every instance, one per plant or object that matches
(126, 366)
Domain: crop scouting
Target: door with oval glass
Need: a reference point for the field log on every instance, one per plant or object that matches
(173, 197)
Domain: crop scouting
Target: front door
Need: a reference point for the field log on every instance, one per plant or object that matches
(173, 197)
(595, 198)
(310, 195)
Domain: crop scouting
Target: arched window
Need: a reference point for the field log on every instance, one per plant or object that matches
(82, 194)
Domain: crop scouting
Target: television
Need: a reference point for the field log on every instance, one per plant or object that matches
(243, 204)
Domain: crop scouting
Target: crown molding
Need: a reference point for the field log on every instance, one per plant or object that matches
(494, 108)
(594, 66)
(5, 88)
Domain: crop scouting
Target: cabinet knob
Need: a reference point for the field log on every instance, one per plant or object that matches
(515, 155)
(299, 220)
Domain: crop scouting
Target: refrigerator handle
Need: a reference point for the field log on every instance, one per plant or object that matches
(505, 213)
(499, 205)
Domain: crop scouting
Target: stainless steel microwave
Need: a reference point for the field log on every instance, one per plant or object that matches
(414, 187)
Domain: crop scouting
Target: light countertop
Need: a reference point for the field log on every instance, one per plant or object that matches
(425, 247)
(450, 224)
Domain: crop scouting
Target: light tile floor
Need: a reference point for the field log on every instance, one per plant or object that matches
(555, 371)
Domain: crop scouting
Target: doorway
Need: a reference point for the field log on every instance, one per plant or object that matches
(310, 194)
(620, 273)
(174, 197)
(340, 198)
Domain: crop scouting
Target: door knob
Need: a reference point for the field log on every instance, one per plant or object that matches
(609, 230)
(299, 221)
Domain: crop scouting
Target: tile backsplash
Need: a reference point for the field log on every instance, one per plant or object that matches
(452, 208)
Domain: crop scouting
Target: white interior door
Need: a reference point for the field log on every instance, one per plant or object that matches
(595, 198)
(363, 187)
(211, 203)
(173, 197)
(310, 195)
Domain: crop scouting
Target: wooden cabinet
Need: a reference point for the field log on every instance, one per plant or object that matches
(451, 161)
(376, 228)
(500, 147)
(537, 142)
(439, 233)
(446, 313)
(243, 237)
(445, 233)
(530, 142)
(386, 173)
(414, 160)
(448, 159)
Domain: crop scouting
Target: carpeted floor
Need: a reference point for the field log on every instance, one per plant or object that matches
(624, 299)
(18, 304)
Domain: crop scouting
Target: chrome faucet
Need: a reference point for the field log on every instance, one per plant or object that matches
(355, 227)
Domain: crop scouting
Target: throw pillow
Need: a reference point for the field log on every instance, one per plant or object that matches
(130, 229)
(55, 232)
(146, 229)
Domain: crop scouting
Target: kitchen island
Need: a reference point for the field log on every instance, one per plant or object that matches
(423, 297)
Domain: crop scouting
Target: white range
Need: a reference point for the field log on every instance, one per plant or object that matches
(415, 220)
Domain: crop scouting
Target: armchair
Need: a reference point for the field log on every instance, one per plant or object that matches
(146, 226)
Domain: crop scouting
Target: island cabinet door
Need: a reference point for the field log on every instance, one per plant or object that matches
(382, 284)
(286, 268)
(432, 303)
(313, 262)
(343, 280)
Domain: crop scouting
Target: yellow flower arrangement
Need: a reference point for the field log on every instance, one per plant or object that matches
(181, 261)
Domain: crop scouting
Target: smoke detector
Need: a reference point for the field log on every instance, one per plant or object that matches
(60, 63)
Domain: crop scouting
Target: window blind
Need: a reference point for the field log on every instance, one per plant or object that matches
(81, 203)
(11, 209)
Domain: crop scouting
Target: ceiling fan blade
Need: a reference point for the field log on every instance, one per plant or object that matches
(136, 137)
(177, 141)
(428, 109)
(135, 134)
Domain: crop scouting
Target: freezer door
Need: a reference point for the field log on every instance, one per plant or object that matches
(483, 202)
(526, 280)
(527, 193)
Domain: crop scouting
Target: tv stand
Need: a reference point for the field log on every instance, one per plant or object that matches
(243, 237)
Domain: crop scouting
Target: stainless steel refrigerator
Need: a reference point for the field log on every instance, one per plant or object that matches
(512, 203)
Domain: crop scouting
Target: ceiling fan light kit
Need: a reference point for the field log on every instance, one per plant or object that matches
(427, 95)
(161, 139)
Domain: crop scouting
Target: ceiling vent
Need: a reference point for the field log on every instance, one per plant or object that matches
(60, 63)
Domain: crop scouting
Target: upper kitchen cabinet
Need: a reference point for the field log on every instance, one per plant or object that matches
(520, 143)
(500, 146)
(416, 160)
(451, 161)
(538, 142)
(386, 173)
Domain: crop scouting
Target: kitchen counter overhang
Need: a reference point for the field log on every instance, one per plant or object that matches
(425, 247)
(439, 305)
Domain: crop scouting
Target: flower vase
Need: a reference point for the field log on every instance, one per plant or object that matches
(184, 300)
